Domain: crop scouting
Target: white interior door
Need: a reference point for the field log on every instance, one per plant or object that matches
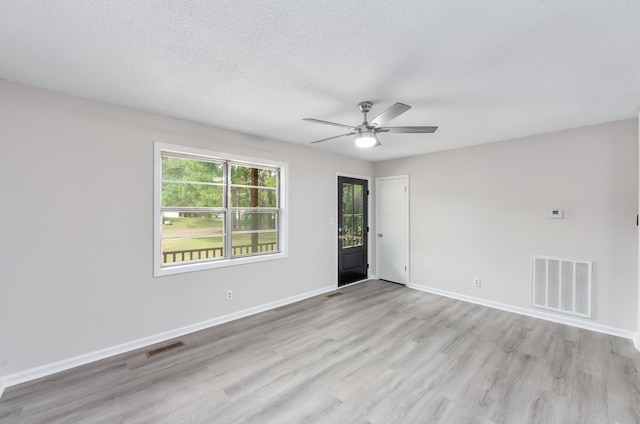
(392, 228)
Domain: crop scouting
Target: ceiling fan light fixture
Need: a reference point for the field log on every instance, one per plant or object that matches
(366, 139)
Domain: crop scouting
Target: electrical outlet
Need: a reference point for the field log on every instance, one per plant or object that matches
(476, 281)
(229, 294)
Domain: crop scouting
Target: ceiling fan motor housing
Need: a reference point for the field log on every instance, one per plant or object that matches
(365, 107)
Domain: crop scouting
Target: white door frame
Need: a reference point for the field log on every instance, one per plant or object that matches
(407, 248)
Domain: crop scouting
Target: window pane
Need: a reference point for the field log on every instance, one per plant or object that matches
(185, 195)
(177, 251)
(254, 221)
(347, 231)
(357, 230)
(252, 243)
(347, 198)
(243, 197)
(357, 199)
(244, 175)
(181, 169)
(191, 236)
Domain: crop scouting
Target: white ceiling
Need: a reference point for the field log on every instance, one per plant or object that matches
(481, 70)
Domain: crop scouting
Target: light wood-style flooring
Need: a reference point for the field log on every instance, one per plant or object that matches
(377, 353)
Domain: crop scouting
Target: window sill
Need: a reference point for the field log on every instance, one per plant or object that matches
(160, 271)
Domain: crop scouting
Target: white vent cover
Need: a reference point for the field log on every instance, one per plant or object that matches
(562, 285)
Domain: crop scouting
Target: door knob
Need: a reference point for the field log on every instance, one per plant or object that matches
(379, 235)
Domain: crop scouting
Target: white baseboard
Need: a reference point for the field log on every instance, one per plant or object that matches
(535, 314)
(49, 369)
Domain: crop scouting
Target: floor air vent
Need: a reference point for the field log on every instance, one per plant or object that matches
(562, 285)
(164, 349)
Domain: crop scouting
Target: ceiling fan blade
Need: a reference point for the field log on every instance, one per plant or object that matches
(319, 121)
(394, 111)
(407, 129)
(331, 138)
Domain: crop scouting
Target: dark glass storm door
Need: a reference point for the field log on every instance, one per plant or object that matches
(352, 230)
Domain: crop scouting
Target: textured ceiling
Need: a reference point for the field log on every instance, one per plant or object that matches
(482, 71)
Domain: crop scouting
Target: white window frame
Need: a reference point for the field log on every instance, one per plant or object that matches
(283, 221)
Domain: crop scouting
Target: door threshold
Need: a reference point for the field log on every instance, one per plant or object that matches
(355, 282)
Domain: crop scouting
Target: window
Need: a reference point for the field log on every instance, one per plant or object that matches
(214, 210)
(352, 215)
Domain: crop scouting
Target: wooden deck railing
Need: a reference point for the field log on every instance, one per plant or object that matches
(213, 252)
(349, 241)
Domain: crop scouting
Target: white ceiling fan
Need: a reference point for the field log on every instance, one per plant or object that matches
(366, 132)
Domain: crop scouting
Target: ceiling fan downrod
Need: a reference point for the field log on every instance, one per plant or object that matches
(365, 107)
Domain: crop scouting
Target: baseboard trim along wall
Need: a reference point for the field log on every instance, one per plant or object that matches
(534, 314)
(66, 364)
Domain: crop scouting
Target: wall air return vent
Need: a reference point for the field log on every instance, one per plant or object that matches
(562, 285)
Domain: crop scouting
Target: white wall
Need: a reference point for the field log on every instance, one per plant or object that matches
(76, 217)
(636, 340)
(482, 212)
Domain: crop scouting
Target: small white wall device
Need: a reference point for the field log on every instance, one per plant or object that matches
(555, 213)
